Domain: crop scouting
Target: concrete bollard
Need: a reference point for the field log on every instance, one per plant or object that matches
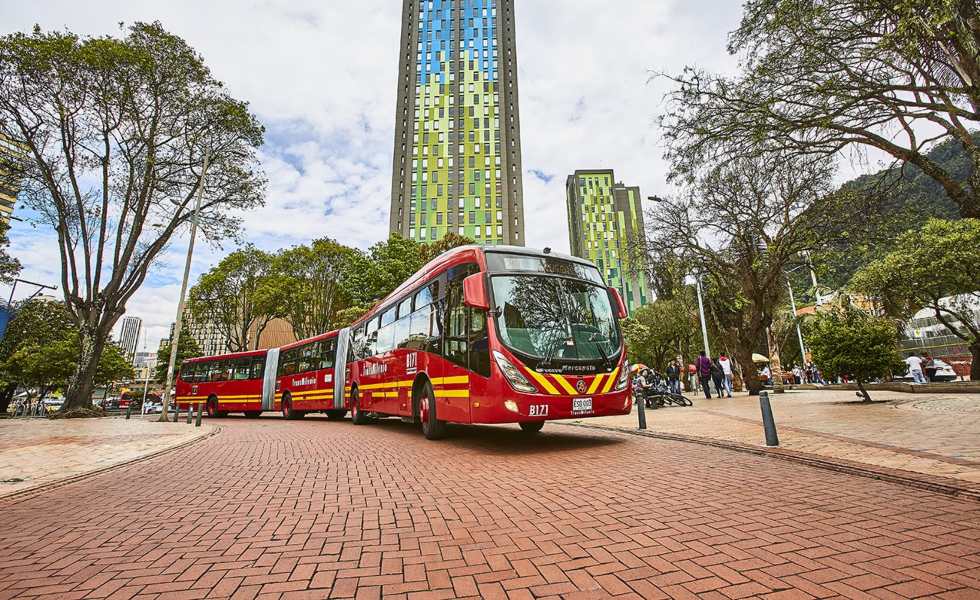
(641, 414)
(772, 439)
(129, 410)
(190, 407)
(197, 422)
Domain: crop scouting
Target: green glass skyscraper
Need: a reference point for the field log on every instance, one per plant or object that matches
(457, 152)
(605, 226)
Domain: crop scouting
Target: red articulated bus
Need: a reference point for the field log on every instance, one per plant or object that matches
(493, 334)
(224, 384)
(305, 378)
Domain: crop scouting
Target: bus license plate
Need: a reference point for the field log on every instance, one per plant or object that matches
(581, 405)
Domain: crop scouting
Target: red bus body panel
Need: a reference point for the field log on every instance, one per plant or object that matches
(232, 396)
(308, 391)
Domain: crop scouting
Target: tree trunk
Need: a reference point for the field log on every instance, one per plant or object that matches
(82, 384)
(775, 364)
(864, 392)
(7, 396)
(744, 356)
(975, 367)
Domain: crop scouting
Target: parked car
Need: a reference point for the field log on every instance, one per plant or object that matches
(944, 372)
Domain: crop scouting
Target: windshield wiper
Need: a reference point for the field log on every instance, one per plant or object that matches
(606, 360)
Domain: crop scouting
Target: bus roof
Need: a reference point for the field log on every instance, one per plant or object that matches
(455, 256)
(316, 338)
(214, 357)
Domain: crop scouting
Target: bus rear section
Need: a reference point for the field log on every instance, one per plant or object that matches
(492, 335)
(305, 378)
(229, 383)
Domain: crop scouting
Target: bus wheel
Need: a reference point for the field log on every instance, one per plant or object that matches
(357, 416)
(253, 414)
(532, 426)
(336, 415)
(287, 409)
(432, 427)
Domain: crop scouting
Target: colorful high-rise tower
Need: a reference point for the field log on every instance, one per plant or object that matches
(12, 154)
(605, 226)
(457, 156)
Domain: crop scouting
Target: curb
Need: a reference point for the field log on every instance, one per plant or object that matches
(24, 494)
(941, 485)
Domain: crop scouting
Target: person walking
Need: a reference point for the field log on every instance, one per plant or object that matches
(929, 367)
(726, 370)
(703, 366)
(717, 377)
(915, 368)
(673, 377)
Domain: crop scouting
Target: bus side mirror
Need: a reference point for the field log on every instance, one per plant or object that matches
(618, 304)
(475, 292)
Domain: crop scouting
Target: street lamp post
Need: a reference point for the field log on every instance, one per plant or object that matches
(796, 320)
(183, 290)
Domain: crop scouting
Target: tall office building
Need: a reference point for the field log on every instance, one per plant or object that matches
(129, 335)
(605, 226)
(11, 155)
(457, 155)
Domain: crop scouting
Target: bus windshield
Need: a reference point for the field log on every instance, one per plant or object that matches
(551, 318)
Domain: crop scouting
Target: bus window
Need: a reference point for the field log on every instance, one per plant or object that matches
(419, 328)
(287, 362)
(187, 372)
(404, 308)
(479, 344)
(241, 369)
(371, 337)
(258, 367)
(401, 327)
(426, 295)
(306, 358)
(454, 343)
(388, 317)
(327, 349)
(216, 371)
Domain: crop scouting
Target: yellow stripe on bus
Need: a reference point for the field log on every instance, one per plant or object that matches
(564, 383)
(544, 382)
(595, 384)
(391, 384)
(610, 381)
(450, 380)
(452, 393)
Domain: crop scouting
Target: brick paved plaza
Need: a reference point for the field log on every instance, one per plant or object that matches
(316, 509)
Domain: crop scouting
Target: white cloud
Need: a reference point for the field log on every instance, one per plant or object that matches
(322, 77)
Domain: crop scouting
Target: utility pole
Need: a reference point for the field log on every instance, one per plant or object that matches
(796, 320)
(704, 328)
(178, 324)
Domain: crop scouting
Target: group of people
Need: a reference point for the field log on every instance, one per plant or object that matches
(717, 371)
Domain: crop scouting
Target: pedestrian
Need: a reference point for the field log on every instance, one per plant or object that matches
(929, 367)
(797, 374)
(717, 377)
(703, 366)
(673, 377)
(726, 369)
(915, 368)
(767, 375)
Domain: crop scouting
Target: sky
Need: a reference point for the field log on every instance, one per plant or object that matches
(321, 76)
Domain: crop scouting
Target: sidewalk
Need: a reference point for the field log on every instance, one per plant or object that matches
(937, 435)
(35, 452)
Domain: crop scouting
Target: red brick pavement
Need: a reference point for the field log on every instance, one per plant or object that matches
(317, 509)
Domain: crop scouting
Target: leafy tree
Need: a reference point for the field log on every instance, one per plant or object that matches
(186, 348)
(232, 299)
(822, 76)
(656, 332)
(41, 350)
(936, 268)
(386, 266)
(35, 322)
(345, 317)
(741, 225)
(311, 284)
(117, 130)
(9, 266)
(850, 342)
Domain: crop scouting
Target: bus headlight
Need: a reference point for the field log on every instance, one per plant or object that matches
(624, 376)
(514, 377)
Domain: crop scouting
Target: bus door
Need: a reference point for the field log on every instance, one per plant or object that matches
(340, 367)
(269, 379)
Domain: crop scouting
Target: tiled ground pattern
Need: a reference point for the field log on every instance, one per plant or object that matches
(316, 509)
(930, 434)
